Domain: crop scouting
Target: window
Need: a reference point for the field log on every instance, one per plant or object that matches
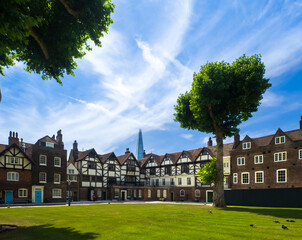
(116, 193)
(245, 178)
(43, 160)
(149, 193)
(158, 194)
(14, 160)
(152, 171)
(134, 193)
(50, 145)
(42, 177)
(179, 181)
(281, 176)
(164, 182)
(56, 193)
(57, 162)
(241, 161)
(172, 181)
(164, 193)
(280, 140)
(280, 156)
(130, 168)
(197, 193)
(183, 155)
(188, 181)
(157, 182)
(182, 193)
(72, 178)
(12, 176)
(111, 167)
(185, 168)
(168, 170)
(258, 159)
(259, 177)
(300, 153)
(246, 145)
(92, 165)
(57, 178)
(70, 171)
(22, 192)
(140, 193)
(235, 178)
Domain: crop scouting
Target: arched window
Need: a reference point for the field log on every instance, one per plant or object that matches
(149, 193)
(197, 193)
(182, 193)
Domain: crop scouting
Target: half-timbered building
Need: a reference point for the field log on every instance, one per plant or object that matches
(15, 172)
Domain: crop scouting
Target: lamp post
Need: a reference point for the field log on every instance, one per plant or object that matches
(69, 182)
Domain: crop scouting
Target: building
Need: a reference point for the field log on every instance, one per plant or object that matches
(15, 172)
(273, 161)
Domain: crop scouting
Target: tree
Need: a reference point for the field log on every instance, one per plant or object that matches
(208, 173)
(48, 35)
(223, 95)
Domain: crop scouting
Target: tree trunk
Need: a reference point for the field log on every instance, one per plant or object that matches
(218, 200)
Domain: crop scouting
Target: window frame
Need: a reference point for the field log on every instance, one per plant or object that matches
(235, 176)
(149, 193)
(277, 175)
(40, 173)
(262, 172)
(59, 191)
(54, 178)
(197, 195)
(278, 154)
(179, 181)
(42, 164)
(242, 178)
(22, 190)
(239, 161)
(300, 154)
(16, 177)
(278, 140)
(182, 193)
(257, 157)
(189, 181)
(54, 161)
(246, 145)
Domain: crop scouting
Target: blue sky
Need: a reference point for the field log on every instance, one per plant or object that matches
(148, 58)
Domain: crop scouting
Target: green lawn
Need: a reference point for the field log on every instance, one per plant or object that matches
(150, 221)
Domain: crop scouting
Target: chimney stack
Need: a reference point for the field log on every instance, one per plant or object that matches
(301, 123)
(75, 150)
(127, 151)
(59, 137)
(210, 142)
(13, 138)
(236, 140)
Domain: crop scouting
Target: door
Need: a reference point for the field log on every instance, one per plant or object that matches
(8, 197)
(104, 196)
(172, 196)
(75, 196)
(209, 196)
(38, 196)
(123, 196)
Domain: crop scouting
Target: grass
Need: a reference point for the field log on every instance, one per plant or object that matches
(150, 221)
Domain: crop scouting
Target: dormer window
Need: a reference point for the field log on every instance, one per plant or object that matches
(280, 140)
(167, 158)
(246, 145)
(50, 145)
(183, 155)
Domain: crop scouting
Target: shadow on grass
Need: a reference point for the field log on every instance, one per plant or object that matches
(286, 213)
(46, 232)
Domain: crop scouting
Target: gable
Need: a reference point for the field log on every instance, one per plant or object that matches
(14, 157)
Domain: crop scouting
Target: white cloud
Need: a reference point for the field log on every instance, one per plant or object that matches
(187, 136)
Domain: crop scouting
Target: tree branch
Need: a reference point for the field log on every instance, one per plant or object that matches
(40, 41)
(216, 127)
(70, 10)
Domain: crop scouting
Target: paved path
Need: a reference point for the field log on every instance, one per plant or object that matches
(99, 202)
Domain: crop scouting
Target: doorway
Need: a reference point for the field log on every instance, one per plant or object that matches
(9, 197)
(38, 195)
(172, 196)
(104, 196)
(209, 196)
(124, 195)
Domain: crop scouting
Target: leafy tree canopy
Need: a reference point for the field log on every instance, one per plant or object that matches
(208, 173)
(48, 35)
(223, 95)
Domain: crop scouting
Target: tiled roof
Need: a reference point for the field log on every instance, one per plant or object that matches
(105, 156)
(81, 155)
(123, 158)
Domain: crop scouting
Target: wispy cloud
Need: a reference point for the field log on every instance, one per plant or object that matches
(187, 136)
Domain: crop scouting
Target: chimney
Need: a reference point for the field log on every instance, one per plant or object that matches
(127, 151)
(301, 123)
(210, 142)
(236, 140)
(13, 138)
(53, 137)
(75, 150)
(59, 138)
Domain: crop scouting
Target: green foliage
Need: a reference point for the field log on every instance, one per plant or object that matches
(208, 173)
(223, 95)
(48, 35)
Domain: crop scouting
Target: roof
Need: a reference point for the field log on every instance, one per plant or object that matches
(227, 147)
(81, 155)
(48, 139)
(104, 157)
(123, 158)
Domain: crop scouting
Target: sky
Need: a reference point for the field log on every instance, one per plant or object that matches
(146, 61)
